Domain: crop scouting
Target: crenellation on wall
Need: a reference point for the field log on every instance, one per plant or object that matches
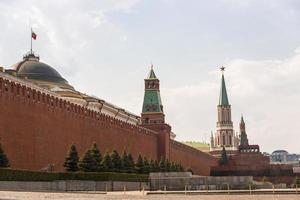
(55, 102)
(45, 125)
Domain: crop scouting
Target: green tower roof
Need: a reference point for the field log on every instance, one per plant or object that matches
(223, 99)
(151, 74)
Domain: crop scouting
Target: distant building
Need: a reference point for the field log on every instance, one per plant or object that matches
(283, 157)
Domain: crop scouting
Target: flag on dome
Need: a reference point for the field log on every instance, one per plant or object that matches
(33, 35)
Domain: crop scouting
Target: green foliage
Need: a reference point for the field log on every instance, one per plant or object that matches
(3, 159)
(146, 168)
(162, 165)
(223, 160)
(124, 160)
(25, 175)
(152, 166)
(168, 166)
(71, 161)
(140, 164)
(92, 161)
(127, 163)
(95, 152)
(88, 163)
(106, 162)
(156, 166)
(180, 168)
(116, 162)
(173, 167)
(131, 164)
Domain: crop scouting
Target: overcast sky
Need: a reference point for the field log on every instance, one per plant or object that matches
(105, 47)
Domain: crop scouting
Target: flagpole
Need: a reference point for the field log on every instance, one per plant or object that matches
(31, 41)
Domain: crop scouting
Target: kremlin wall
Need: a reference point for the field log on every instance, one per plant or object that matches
(42, 115)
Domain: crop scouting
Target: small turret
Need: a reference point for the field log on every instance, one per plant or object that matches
(243, 135)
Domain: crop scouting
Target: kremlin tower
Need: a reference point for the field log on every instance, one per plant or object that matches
(225, 134)
(243, 135)
(152, 111)
(153, 117)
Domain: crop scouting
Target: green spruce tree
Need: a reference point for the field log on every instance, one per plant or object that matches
(95, 152)
(71, 161)
(146, 166)
(152, 165)
(131, 164)
(162, 165)
(116, 161)
(223, 160)
(181, 169)
(4, 162)
(156, 166)
(106, 163)
(140, 165)
(125, 162)
(168, 166)
(87, 163)
(177, 167)
(173, 167)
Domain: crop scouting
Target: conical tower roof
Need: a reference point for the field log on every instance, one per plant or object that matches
(242, 120)
(151, 74)
(223, 99)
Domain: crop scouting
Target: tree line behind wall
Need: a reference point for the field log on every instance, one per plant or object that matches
(93, 161)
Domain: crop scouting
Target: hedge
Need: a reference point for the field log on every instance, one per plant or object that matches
(26, 175)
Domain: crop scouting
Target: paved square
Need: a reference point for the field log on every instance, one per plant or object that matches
(11, 195)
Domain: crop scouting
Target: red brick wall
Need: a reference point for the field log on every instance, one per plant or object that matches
(37, 129)
(198, 161)
(35, 132)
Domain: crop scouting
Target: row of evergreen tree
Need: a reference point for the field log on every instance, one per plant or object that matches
(92, 161)
(4, 162)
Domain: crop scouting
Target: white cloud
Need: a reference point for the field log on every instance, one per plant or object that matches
(104, 48)
(266, 92)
